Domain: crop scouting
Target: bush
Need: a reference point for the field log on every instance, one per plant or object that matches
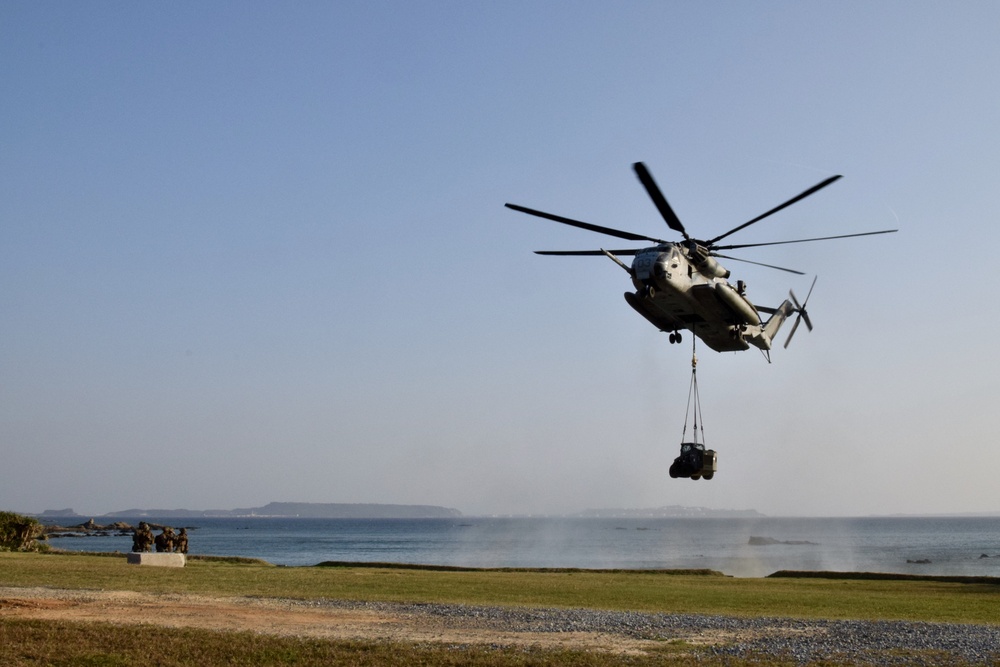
(18, 533)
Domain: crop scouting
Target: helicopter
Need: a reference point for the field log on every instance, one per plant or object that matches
(680, 285)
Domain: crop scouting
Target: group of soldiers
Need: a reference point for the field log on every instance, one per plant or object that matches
(167, 540)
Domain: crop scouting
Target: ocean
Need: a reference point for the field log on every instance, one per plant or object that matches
(934, 545)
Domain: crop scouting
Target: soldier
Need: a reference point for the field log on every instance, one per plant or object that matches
(143, 539)
(181, 542)
(165, 540)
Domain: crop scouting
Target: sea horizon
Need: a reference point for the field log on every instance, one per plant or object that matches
(416, 511)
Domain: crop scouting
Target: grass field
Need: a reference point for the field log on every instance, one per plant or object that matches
(94, 645)
(636, 590)
(42, 643)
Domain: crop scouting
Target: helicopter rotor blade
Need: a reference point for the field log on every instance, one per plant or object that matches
(820, 238)
(659, 200)
(795, 325)
(791, 333)
(816, 188)
(628, 236)
(802, 310)
(585, 253)
(794, 300)
(770, 266)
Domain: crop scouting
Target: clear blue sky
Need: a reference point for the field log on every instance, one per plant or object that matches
(258, 251)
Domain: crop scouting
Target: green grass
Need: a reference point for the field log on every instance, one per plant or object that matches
(650, 591)
(99, 645)
(28, 642)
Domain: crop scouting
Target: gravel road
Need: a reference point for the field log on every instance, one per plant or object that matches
(859, 642)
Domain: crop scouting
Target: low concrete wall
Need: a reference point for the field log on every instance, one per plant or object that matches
(157, 559)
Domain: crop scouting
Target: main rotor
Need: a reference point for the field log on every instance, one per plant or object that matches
(694, 246)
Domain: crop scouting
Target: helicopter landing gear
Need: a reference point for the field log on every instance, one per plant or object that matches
(675, 337)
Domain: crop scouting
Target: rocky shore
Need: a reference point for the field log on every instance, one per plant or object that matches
(87, 529)
(93, 529)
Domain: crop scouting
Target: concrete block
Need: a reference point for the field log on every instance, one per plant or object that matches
(157, 559)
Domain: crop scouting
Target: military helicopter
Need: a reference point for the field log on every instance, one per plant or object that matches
(679, 285)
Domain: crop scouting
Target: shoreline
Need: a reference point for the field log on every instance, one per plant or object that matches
(376, 565)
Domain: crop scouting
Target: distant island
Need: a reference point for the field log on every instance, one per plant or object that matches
(287, 510)
(385, 511)
(668, 512)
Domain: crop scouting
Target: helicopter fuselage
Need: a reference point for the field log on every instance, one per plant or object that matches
(677, 288)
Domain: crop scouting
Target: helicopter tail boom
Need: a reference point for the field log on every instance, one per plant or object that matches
(773, 324)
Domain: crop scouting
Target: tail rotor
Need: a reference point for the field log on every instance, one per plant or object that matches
(800, 308)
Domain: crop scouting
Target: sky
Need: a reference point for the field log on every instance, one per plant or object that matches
(255, 252)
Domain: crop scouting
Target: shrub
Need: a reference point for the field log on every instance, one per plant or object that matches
(18, 533)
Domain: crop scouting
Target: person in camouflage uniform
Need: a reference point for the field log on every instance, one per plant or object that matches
(142, 538)
(165, 540)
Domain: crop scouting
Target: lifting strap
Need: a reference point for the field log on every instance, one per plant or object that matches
(693, 408)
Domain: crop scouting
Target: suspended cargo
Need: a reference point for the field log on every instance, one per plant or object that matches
(694, 461)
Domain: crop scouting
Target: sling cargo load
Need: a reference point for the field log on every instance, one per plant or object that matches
(694, 461)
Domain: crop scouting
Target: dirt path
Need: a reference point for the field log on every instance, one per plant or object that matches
(283, 617)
